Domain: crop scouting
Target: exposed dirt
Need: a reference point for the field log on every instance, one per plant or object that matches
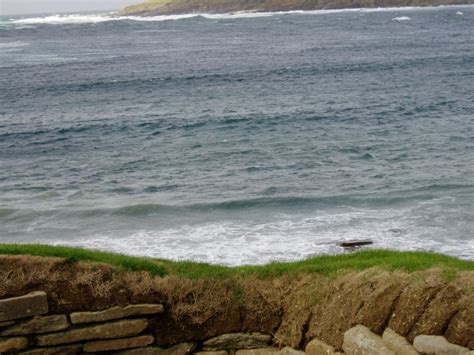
(293, 308)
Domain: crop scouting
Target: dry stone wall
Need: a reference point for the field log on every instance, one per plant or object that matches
(27, 328)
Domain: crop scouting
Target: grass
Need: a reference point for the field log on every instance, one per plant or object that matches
(325, 264)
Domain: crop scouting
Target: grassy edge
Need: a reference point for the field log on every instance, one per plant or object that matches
(324, 264)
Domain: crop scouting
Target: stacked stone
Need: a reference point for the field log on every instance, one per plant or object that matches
(25, 328)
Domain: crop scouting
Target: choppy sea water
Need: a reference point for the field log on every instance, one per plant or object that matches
(241, 138)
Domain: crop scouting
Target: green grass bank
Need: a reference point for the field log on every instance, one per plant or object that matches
(325, 264)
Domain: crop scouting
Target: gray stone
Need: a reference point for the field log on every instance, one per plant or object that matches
(116, 313)
(219, 352)
(38, 325)
(398, 343)
(319, 347)
(432, 344)
(13, 344)
(261, 351)
(61, 350)
(359, 340)
(30, 305)
(180, 349)
(120, 329)
(290, 351)
(118, 344)
(238, 341)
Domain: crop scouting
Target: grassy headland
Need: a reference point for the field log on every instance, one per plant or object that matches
(170, 7)
(326, 264)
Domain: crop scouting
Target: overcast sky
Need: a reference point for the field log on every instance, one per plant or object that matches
(11, 7)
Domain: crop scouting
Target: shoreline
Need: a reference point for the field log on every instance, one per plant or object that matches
(136, 10)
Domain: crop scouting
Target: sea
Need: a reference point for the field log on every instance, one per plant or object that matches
(241, 138)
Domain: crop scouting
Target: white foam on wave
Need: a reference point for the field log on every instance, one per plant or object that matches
(401, 18)
(13, 45)
(283, 237)
(98, 18)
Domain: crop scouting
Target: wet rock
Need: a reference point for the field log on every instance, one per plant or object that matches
(118, 329)
(238, 341)
(398, 343)
(38, 325)
(433, 344)
(359, 340)
(354, 244)
(30, 305)
(13, 344)
(116, 313)
(118, 344)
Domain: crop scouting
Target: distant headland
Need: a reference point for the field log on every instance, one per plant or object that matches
(175, 7)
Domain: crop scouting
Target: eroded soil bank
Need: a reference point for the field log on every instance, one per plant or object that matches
(294, 308)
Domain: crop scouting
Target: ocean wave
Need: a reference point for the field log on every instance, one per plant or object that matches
(98, 18)
(420, 195)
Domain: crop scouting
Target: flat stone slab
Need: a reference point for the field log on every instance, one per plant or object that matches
(432, 344)
(116, 313)
(359, 340)
(397, 343)
(261, 351)
(60, 350)
(118, 344)
(30, 305)
(236, 341)
(119, 329)
(13, 344)
(38, 325)
(287, 350)
(180, 349)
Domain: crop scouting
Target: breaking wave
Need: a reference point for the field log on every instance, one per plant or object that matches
(63, 19)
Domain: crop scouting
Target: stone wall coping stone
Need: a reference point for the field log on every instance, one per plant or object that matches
(359, 340)
(433, 344)
(30, 305)
(38, 325)
(116, 313)
(118, 329)
(397, 343)
(319, 347)
(119, 344)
